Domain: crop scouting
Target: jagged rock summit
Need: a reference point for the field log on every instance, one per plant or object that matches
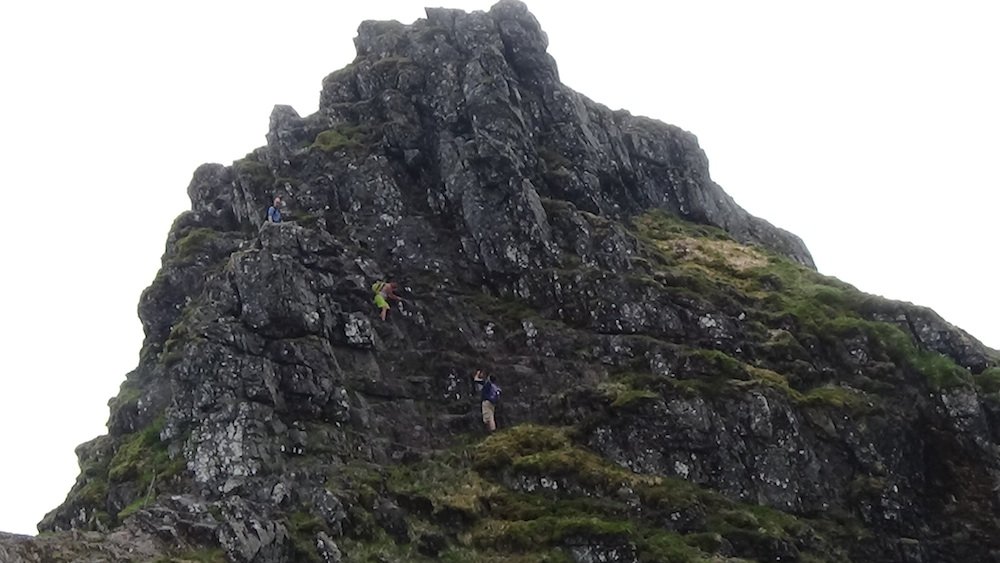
(679, 383)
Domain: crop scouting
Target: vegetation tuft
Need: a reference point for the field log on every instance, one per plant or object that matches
(142, 459)
(531, 493)
(805, 316)
(344, 137)
(989, 380)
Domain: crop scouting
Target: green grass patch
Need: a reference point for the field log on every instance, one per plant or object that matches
(344, 137)
(309, 220)
(380, 549)
(989, 380)
(94, 493)
(254, 172)
(623, 395)
(197, 241)
(502, 448)
(613, 511)
(783, 296)
(180, 335)
(303, 528)
(837, 397)
(890, 342)
(713, 363)
(138, 454)
(941, 370)
(134, 507)
(774, 380)
(141, 458)
(580, 466)
(448, 484)
(526, 535)
(658, 225)
(666, 547)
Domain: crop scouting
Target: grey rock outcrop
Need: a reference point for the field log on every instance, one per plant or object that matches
(474, 102)
(679, 383)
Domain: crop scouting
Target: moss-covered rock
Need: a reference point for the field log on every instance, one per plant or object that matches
(344, 137)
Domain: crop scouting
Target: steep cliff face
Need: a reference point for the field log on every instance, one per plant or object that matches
(679, 383)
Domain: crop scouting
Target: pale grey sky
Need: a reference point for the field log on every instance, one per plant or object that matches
(867, 128)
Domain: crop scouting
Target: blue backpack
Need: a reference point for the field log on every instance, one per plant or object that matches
(491, 392)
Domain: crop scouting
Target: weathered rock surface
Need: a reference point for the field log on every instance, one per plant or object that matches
(679, 384)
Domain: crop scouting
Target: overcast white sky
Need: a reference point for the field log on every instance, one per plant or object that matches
(870, 129)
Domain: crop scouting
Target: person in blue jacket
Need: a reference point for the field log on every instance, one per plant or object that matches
(274, 212)
(489, 394)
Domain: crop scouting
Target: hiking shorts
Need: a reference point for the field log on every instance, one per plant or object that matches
(380, 301)
(488, 411)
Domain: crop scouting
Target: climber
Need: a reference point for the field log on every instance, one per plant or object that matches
(490, 396)
(274, 212)
(383, 291)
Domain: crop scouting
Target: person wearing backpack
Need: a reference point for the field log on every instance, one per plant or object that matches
(274, 212)
(490, 396)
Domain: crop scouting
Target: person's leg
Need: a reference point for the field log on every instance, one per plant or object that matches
(381, 303)
(489, 416)
(488, 420)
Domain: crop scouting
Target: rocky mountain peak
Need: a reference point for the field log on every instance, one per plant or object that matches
(457, 87)
(679, 383)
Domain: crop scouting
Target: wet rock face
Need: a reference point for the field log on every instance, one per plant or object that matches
(678, 382)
